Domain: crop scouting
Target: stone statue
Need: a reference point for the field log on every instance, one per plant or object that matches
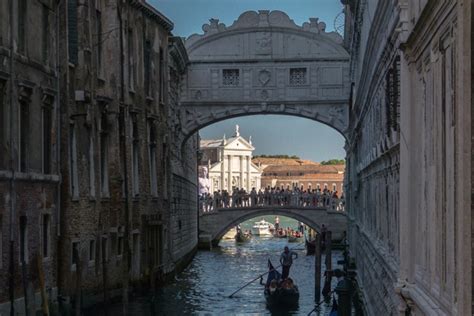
(237, 133)
(204, 182)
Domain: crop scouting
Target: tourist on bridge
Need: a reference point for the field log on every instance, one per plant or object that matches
(286, 260)
(277, 223)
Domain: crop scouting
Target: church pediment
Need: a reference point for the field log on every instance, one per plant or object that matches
(238, 143)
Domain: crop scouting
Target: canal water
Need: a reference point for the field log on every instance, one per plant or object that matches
(203, 288)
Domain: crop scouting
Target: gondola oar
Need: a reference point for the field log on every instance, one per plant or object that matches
(247, 284)
(260, 276)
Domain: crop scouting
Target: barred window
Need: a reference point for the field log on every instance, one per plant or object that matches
(393, 97)
(297, 76)
(230, 77)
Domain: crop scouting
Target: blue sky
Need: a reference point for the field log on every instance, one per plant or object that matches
(271, 134)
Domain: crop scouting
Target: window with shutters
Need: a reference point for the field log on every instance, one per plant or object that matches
(24, 134)
(135, 156)
(46, 139)
(22, 24)
(297, 76)
(162, 75)
(45, 33)
(91, 163)
(74, 181)
(104, 156)
(1, 241)
(230, 77)
(120, 245)
(105, 249)
(152, 157)
(131, 59)
(92, 250)
(98, 46)
(72, 31)
(147, 67)
(3, 117)
(75, 255)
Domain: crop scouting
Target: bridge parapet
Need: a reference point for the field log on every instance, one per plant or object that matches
(209, 203)
(215, 224)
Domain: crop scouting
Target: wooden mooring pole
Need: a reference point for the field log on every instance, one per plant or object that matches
(317, 268)
(328, 262)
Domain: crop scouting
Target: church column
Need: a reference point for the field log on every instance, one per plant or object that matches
(222, 184)
(241, 182)
(248, 174)
(229, 180)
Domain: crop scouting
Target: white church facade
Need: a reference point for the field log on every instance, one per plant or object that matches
(229, 163)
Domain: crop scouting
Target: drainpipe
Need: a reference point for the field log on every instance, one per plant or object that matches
(58, 153)
(123, 140)
(12, 179)
(58, 124)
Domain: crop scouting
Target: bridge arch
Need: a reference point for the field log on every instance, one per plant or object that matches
(265, 64)
(216, 224)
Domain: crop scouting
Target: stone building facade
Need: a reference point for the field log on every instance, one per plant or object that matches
(29, 161)
(97, 179)
(123, 210)
(408, 185)
(182, 236)
(229, 163)
(308, 177)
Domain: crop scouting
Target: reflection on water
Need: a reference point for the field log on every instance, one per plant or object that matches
(203, 288)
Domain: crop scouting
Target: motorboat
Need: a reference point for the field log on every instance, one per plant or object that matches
(263, 228)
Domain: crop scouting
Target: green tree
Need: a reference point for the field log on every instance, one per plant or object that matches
(277, 156)
(333, 162)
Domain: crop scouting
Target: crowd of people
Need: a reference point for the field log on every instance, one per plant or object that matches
(271, 197)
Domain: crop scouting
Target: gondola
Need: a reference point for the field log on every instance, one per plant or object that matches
(279, 234)
(310, 247)
(281, 297)
(242, 237)
(293, 239)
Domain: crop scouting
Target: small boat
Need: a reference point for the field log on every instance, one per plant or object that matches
(280, 234)
(281, 297)
(242, 237)
(295, 236)
(262, 228)
(230, 234)
(310, 247)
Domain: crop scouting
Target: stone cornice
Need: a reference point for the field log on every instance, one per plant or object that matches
(433, 15)
(261, 21)
(152, 13)
(178, 53)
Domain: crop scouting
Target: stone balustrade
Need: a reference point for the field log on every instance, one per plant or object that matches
(212, 203)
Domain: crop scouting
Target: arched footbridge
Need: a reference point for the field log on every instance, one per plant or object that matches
(214, 225)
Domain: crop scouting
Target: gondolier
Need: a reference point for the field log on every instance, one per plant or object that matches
(286, 260)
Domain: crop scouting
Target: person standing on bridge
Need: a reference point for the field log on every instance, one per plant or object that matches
(286, 260)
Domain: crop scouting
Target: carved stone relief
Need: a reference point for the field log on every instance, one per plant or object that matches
(264, 43)
(264, 77)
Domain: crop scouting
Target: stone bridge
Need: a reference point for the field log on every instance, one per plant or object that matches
(265, 64)
(214, 225)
